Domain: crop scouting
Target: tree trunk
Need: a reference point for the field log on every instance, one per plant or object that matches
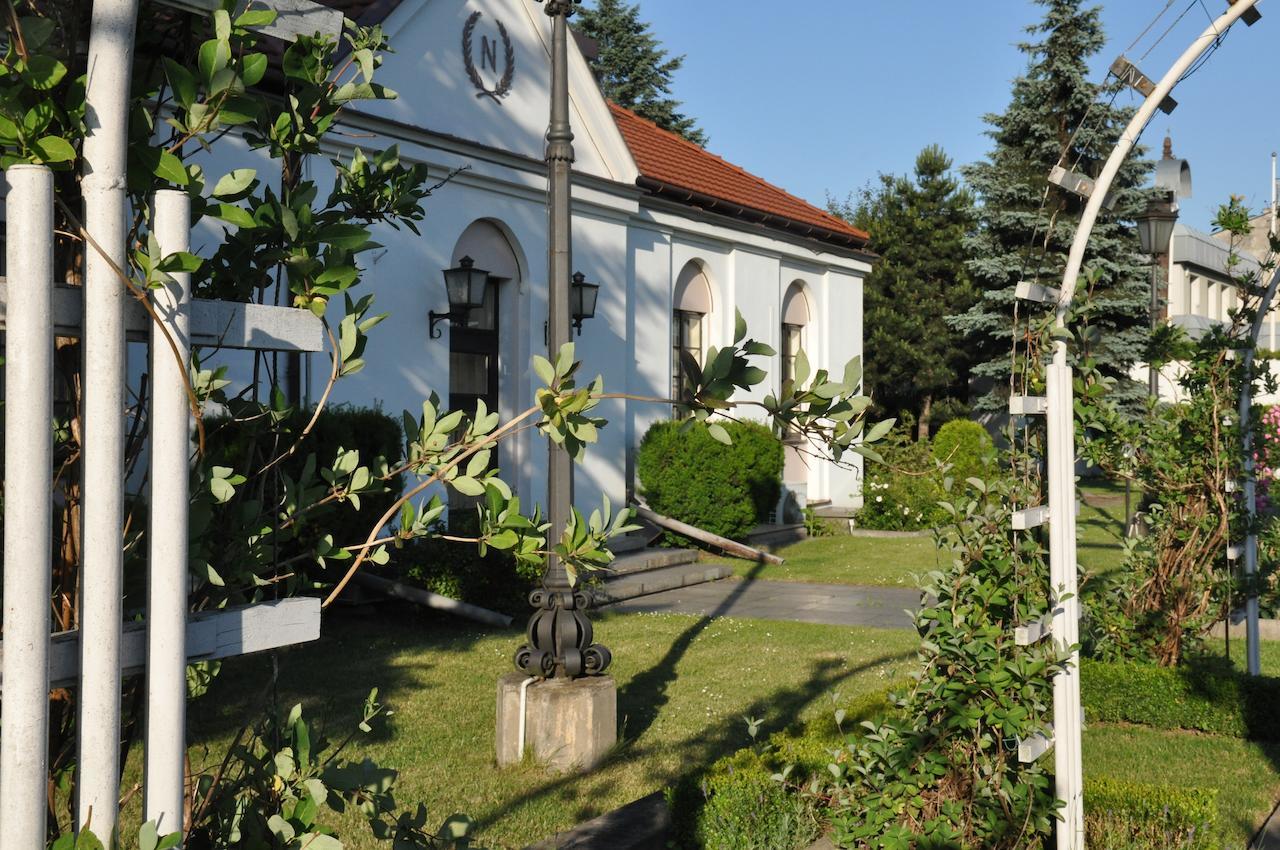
(926, 413)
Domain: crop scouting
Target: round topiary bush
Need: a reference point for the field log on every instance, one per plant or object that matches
(688, 475)
(965, 445)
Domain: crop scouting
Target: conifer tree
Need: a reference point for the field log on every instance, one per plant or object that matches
(918, 226)
(1016, 240)
(632, 67)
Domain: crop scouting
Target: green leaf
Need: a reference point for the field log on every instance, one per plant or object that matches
(251, 18)
(212, 58)
(44, 72)
(234, 184)
(254, 65)
(233, 214)
(212, 575)
(54, 149)
(468, 486)
(739, 327)
(222, 490)
(181, 81)
(36, 32)
(170, 168)
(348, 237)
(879, 430)
(719, 434)
(543, 368)
(801, 371)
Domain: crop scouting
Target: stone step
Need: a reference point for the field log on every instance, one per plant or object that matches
(649, 559)
(776, 534)
(642, 825)
(656, 581)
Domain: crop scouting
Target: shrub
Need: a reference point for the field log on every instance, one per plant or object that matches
(902, 494)
(457, 570)
(739, 802)
(728, 490)
(247, 446)
(965, 446)
(1136, 816)
(1204, 695)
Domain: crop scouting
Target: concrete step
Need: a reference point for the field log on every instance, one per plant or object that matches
(776, 534)
(642, 825)
(649, 559)
(656, 581)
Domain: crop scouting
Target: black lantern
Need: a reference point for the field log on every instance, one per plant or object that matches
(465, 286)
(582, 300)
(1155, 225)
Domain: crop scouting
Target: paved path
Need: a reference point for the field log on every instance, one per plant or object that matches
(835, 604)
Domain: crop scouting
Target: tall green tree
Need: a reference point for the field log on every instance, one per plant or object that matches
(1017, 239)
(632, 67)
(918, 225)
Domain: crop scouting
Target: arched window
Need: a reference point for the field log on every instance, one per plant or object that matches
(795, 317)
(690, 307)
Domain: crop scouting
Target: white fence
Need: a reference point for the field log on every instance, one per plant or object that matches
(94, 660)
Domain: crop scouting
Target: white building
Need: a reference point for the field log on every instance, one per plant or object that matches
(677, 239)
(1201, 292)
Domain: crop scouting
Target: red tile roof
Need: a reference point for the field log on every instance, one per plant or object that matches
(675, 167)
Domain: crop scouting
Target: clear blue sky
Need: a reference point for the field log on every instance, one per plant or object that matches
(821, 96)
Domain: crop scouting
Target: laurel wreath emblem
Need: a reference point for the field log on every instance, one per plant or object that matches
(503, 88)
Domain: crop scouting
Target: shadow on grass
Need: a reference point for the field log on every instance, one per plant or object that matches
(642, 698)
(641, 701)
(359, 654)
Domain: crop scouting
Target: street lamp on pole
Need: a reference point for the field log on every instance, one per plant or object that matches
(560, 640)
(1155, 230)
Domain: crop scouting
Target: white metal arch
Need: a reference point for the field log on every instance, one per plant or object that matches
(1061, 449)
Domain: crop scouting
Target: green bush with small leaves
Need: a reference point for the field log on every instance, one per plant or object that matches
(689, 475)
(902, 494)
(965, 447)
(1122, 815)
(1204, 695)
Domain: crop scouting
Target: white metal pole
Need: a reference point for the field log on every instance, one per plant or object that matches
(167, 556)
(1252, 647)
(1068, 769)
(110, 59)
(1062, 497)
(28, 508)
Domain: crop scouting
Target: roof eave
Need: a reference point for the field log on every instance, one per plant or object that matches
(714, 204)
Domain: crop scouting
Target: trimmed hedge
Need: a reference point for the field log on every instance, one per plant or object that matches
(1138, 816)
(1205, 696)
(728, 490)
(737, 804)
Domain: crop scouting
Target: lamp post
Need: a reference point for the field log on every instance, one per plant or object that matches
(1155, 229)
(560, 643)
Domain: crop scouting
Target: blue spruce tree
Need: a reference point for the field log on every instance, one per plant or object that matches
(1056, 116)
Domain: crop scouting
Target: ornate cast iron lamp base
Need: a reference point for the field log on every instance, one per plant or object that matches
(560, 638)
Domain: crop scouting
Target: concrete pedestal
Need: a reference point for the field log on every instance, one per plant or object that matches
(570, 724)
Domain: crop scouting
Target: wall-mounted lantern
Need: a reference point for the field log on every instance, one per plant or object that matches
(465, 286)
(582, 300)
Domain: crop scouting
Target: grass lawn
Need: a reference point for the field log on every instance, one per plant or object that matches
(892, 561)
(1244, 772)
(844, 559)
(684, 685)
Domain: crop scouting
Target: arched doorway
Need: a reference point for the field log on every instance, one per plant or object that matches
(793, 338)
(480, 343)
